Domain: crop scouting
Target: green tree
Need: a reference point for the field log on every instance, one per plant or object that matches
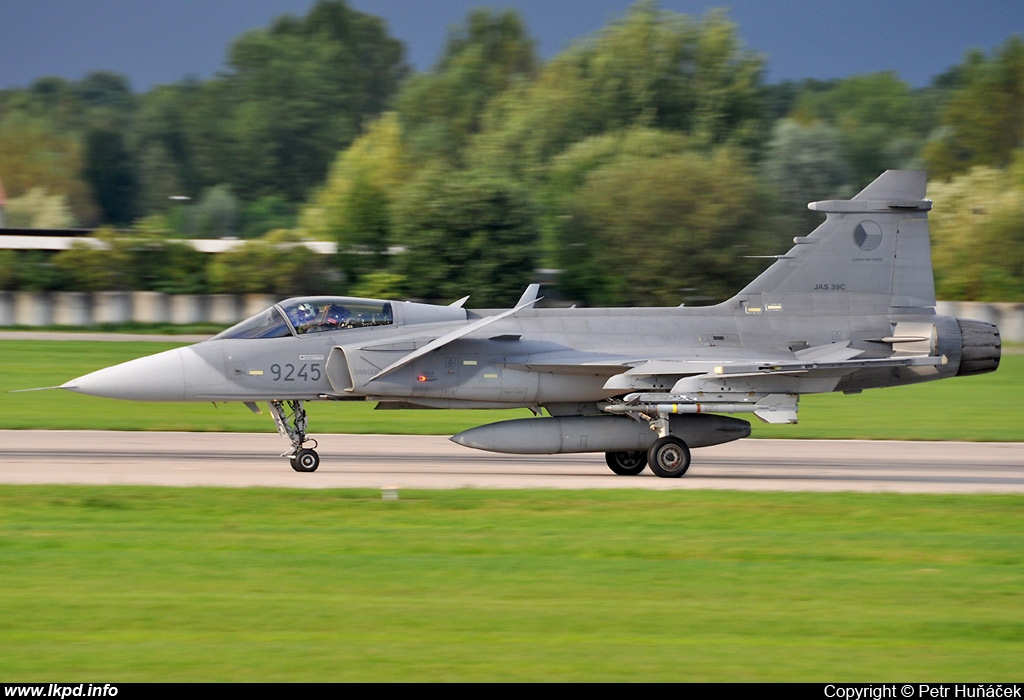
(147, 261)
(51, 100)
(652, 68)
(103, 262)
(72, 107)
(157, 182)
(35, 272)
(36, 155)
(165, 143)
(266, 214)
(977, 232)
(982, 122)
(378, 285)
(805, 163)
(106, 91)
(569, 171)
(278, 263)
(665, 229)
(296, 94)
(465, 232)
(441, 109)
(165, 264)
(879, 122)
(72, 138)
(354, 205)
(111, 175)
(216, 213)
(9, 269)
(38, 209)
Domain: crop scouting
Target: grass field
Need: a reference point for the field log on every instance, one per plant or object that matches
(982, 408)
(129, 584)
(140, 584)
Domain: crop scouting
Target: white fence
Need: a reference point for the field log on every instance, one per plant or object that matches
(85, 309)
(1008, 316)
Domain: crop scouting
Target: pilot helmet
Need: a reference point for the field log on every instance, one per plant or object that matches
(336, 315)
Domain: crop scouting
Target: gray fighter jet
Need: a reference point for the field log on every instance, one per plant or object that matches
(849, 307)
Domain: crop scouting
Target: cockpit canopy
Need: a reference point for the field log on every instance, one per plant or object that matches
(303, 315)
(312, 315)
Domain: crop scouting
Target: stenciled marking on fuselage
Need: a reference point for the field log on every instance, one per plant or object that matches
(294, 373)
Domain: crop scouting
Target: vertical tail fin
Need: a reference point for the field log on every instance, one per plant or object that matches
(871, 255)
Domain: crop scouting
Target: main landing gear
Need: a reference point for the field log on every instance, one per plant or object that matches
(669, 458)
(293, 427)
(626, 463)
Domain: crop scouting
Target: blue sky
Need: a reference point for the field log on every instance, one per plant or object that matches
(163, 42)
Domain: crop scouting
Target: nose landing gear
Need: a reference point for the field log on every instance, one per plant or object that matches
(293, 427)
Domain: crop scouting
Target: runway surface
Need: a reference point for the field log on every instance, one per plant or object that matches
(432, 462)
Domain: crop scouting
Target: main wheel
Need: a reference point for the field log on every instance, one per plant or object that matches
(626, 463)
(305, 460)
(669, 457)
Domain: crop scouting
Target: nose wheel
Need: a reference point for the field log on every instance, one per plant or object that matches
(290, 417)
(305, 460)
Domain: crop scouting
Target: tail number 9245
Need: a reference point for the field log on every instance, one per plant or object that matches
(306, 372)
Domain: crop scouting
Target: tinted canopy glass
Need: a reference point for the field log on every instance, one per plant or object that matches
(266, 324)
(319, 314)
(312, 315)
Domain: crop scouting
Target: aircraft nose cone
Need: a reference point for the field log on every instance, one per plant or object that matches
(159, 377)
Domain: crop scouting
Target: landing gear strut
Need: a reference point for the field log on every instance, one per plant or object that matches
(293, 427)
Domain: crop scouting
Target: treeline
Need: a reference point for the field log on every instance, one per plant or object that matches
(646, 163)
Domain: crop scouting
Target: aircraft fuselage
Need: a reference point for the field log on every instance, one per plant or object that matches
(849, 307)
